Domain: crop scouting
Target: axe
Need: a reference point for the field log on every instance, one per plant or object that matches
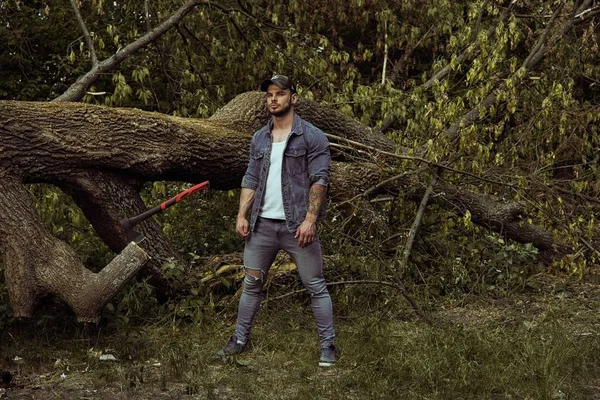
(128, 223)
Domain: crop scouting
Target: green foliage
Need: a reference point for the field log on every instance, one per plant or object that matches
(66, 221)
(136, 303)
(203, 224)
(34, 57)
(484, 265)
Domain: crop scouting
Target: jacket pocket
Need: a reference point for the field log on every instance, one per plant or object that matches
(295, 159)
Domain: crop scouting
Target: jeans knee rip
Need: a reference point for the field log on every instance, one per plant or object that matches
(253, 277)
(316, 293)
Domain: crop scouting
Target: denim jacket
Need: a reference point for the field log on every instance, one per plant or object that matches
(306, 161)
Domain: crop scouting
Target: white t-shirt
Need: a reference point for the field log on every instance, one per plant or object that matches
(272, 206)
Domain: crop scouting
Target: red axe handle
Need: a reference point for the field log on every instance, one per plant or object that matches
(184, 195)
(128, 223)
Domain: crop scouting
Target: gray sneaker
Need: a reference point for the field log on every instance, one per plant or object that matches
(328, 356)
(231, 348)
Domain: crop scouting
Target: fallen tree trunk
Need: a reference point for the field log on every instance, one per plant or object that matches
(38, 264)
(73, 144)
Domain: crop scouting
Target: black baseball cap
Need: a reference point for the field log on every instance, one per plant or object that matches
(281, 81)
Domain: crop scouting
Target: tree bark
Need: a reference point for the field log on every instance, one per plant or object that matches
(106, 198)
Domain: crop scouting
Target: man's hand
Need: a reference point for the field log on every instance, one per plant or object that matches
(242, 227)
(246, 199)
(306, 233)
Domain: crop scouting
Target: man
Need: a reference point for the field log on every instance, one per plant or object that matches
(285, 186)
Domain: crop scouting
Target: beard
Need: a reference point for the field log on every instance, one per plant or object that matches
(284, 110)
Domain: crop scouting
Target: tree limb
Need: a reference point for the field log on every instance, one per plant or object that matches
(412, 158)
(187, 50)
(76, 91)
(415, 226)
(479, 18)
(470, 51)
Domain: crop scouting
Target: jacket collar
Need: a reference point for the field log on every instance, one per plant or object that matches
(297, 126)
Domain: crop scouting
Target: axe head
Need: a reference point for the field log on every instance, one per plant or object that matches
(132, 234)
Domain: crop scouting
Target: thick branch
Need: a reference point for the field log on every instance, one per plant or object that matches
(503, 217)
(106, 198)
(64, 138)
(55, 142)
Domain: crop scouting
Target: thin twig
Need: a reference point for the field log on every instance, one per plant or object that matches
(542, 39)
(186, 47)
(78, 89)
(86, 33)
(385, 55)
(372, 189)
(471, 50)
(589, 246)
(479, 18)
(147, 16)
(399, 286)
(412, 158)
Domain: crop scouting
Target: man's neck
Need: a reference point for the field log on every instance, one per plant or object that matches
(282, 126)
(284, 122)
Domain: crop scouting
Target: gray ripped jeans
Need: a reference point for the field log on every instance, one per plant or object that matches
(262, 245)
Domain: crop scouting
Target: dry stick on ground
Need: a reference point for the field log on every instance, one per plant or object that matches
(415, 226)
(394, 285)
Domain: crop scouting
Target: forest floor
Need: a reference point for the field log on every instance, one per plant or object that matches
(535, 344)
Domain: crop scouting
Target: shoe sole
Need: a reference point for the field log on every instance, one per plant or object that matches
(326, 364)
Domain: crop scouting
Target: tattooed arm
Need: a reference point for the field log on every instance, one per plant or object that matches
(307, 230)
(316, 197)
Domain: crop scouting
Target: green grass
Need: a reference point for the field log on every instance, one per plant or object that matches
(510, 349)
